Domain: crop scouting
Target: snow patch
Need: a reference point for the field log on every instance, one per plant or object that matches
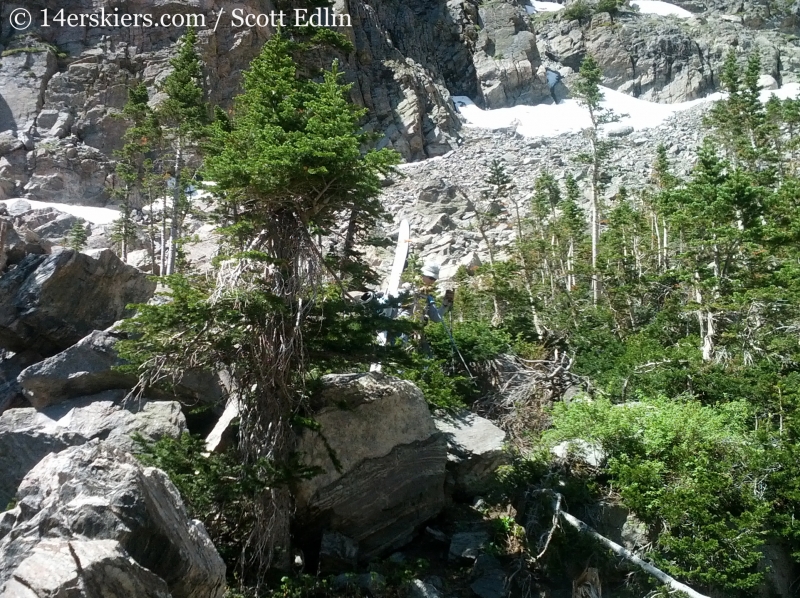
(664, 9)
(88, 213)
(790, 90)
(551, 120)
(536, 6)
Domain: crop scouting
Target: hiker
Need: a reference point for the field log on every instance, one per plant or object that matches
(422, 301)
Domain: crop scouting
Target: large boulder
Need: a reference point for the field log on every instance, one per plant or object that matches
(93, 493)
(83, 369)
(48, 303)
(83, 569)
(89, 367)
(474, 451)
(27, 435)
(381, 459)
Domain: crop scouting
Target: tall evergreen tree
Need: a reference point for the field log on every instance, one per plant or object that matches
(740, 121)
(289, 166)
(587, 90)
(134, 167)
(183, 116)
(573, 224)
(500, 188)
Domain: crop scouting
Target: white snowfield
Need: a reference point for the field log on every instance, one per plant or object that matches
(537, 6)
(551, 120)
(664, 9)
(88, 213)
(646, 7)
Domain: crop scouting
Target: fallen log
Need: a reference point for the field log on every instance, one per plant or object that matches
(626, 554)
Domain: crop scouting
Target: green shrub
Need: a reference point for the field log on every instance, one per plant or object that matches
(218, 489)
(26, 50)
(686, 470)
(441, 387)
(580, 10)
(609, 6)
(476, 340)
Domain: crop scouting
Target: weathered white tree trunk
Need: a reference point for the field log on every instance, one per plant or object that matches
(594, 222)
(669, 581)
(163, 257)
(174, 228)
(708, 337)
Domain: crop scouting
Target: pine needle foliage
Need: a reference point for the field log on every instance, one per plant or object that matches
(77, 236)
(183, 116)
(683, 468)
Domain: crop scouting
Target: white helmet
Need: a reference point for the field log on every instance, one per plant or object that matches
(431, 270)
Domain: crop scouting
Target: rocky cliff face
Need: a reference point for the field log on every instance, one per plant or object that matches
(664, 59)
(61, 87)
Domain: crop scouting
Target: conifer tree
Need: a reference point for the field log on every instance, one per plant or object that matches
(134, 167)
(183, 116)
(718, 213)
(123, 229)
(790, 120)
(500, 187)
(589, 94)
(662, 177)
(546, 198)
(740, 121)
(77, 236)
(573, 223)
(664, 181)
(288, 164)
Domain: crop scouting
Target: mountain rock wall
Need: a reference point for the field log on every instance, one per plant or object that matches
(62, 88)
(663, 59)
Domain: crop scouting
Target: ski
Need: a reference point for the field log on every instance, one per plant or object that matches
(399, 264)
(400, 256)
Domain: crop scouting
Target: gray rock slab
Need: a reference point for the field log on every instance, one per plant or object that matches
(474, 450)
(83, 369)
(28, 435)
(97, 492)
(382, 462)
(85, 569)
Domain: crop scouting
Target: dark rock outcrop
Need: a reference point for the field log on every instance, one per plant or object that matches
(382, 462)
(48, 303)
